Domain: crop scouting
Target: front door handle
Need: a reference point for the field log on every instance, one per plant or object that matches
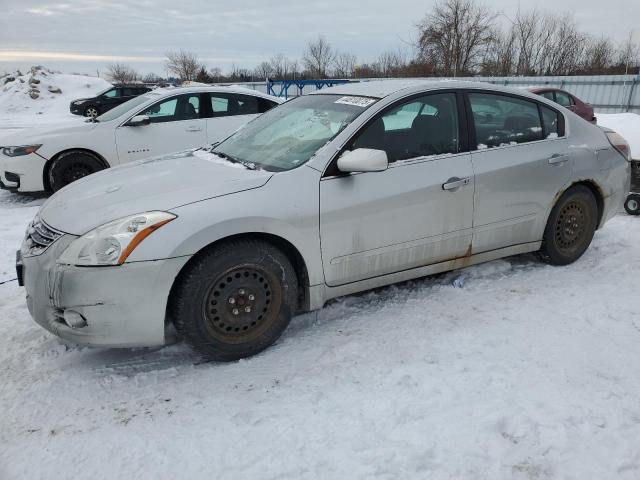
(557, 159)
(454, 183)
(194, 129)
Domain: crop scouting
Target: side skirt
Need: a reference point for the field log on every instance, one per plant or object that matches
(319, 294)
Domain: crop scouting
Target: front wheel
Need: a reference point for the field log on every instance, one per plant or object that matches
(72, 166)
(632, 204)
(570, 227)
(235, 300)
(91, 111)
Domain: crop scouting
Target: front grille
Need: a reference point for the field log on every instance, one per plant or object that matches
(39, 237)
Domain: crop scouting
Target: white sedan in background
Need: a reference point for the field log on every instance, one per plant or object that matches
(159, 122)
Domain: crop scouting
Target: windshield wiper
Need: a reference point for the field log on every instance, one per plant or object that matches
(250, 166)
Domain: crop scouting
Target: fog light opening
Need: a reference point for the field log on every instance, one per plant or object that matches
(74, 319)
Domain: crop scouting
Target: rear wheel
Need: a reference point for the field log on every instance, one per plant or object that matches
(632, 204)
(235, 300)
(72, 166)
(570, 227)
(91, 111)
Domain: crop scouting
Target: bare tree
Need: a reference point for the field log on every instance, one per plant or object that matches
(263, 70)
(121, 73)
(215, 73)
(455, 35)
(318, 56)
(599, 55)
(629, 54)
(185, 65)
(282, 67)
(344, 65)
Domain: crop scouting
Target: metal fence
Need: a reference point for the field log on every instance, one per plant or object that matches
(607, 93)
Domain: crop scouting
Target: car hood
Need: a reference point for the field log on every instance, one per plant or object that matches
(161, 183)
(73, 126)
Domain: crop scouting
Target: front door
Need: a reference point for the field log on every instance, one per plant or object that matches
(175, 125)
(417, 212)
(522, 160)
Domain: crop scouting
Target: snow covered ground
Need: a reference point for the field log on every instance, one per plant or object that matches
(527, 372)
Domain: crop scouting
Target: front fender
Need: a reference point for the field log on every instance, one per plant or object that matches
(286, 207)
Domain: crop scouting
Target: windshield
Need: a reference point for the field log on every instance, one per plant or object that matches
(123, 108)
(288, 135)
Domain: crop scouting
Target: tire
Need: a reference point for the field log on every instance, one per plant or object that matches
(91, 111)
(570, 227)
(632, 204)
(72, 166)
(234, 300)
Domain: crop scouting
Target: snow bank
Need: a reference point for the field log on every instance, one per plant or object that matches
(627, 125)
(42, 96)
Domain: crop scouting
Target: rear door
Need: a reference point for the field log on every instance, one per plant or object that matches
(417, 212)
(228, 112)
(176, 125)
(521, 160)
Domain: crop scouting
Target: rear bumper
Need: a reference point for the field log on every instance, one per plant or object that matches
(121, 306)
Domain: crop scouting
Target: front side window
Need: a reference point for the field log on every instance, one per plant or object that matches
(182, 107)
(113, 93)
(125, 107)
(503, 120)
(420, 127)
(286, 137)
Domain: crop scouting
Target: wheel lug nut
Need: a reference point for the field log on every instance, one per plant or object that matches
(247, 309)
(232, 300)
(241, 291)
(252, 297)
(235, 311)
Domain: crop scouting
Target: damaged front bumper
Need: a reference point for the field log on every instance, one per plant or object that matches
(119, 306)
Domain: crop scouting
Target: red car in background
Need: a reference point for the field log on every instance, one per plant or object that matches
(568, 101)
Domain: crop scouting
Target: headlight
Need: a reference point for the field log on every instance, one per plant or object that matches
(113, 242)
(20, 150)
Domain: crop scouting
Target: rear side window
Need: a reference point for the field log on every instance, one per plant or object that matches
(265, 105)
(503, 120)
(552, 122)
(419, 127)
(564, 99)
(227, 105)
(129, 92)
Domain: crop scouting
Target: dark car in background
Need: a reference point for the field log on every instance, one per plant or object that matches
(106, 100)
(567, 100)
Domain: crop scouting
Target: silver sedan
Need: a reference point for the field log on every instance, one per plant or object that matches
(347, 189)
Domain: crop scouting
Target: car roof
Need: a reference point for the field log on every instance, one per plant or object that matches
(385, 88)
(164, 91)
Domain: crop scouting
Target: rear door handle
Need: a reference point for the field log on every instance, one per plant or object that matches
(454, 183)
(557, 158)
(194, 129)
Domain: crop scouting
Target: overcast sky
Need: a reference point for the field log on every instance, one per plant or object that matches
(85, 35)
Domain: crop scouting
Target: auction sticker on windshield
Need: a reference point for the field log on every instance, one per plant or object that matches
(356, 101)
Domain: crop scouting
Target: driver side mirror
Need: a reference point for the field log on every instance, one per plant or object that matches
(138, 121)
(363, 160)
